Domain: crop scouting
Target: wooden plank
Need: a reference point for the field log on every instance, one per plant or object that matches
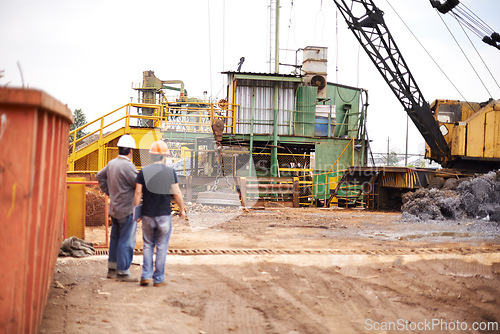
(269, 186)
(206, 180)
(269, 179)
(296, 202)
(243, 191)
(273, 191)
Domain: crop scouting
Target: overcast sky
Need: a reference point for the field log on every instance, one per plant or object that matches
(87, 53)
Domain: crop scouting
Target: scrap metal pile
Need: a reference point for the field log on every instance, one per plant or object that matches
(477, 197)
(194, 208)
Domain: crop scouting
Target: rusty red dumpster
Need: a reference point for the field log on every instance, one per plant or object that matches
(34, 131)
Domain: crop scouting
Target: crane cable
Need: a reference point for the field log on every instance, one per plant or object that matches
(428, 53)
(474, 23)
(479, 55)
(463, 52)
(467, 17)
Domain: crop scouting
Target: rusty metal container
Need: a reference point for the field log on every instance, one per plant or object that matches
(34, 131)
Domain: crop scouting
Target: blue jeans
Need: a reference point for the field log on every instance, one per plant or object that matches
(155, 232)
(122, 244)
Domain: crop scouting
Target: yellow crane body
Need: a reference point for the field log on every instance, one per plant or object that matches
(471, 130)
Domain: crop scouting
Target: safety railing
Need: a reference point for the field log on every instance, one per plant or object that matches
(315, 185)
(174, 116)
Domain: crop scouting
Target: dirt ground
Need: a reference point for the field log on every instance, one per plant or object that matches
(285, 270)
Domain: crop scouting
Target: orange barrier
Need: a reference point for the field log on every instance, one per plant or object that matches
(34, 130)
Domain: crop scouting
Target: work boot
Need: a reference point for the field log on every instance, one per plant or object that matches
(160, 284)
(145, 281)
(111, 273)
(126, 278)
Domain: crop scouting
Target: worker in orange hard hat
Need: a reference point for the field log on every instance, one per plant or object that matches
(156, 184)
(159, 149)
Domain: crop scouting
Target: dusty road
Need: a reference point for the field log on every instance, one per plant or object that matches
(282, 270)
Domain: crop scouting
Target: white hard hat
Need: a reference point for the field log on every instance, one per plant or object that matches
(126, 141)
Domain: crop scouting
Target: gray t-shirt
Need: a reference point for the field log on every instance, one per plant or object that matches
(117, 180)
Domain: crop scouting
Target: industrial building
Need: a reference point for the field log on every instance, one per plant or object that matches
(270, 126)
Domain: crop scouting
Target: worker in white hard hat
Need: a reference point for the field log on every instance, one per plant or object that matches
(156, 185)
(117, 180)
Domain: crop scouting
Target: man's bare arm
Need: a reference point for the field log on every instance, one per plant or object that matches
(176, 193)
(137, 194)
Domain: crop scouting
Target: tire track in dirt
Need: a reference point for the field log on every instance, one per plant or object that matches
(442, 288)
(343, 299)
(437, 294)
(276, 310)
(273, 297)
(331, 295)
(223, 302)
(289, 286)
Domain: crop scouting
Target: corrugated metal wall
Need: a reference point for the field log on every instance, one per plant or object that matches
(256, 99)
(305, 115)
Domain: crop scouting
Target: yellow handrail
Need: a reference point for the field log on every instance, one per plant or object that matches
(188, 112)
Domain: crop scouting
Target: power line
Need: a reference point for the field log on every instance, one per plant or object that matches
(209, 48)
(289, 28)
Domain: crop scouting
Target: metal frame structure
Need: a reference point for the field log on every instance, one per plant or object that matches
(367, 23)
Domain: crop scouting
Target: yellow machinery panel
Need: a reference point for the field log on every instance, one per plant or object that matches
(475, 136)
(333, 185)
(492, 134)
(458, 140)
(76, 208)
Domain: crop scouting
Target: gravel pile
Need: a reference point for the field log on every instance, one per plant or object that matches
(477, 197)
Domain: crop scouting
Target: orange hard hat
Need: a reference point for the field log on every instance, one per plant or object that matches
(159, 147)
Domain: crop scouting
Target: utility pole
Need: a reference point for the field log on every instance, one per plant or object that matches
(274, 149)
(387, 162)
(277, 39)
(406, 150)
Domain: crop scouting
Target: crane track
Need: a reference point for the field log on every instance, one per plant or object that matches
(389, 251)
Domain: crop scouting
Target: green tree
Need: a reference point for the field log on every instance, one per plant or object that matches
(80, 120)
(392, 159)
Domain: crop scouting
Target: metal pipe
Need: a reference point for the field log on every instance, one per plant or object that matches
(252, 113)
(277, 39)
(274, 149)
(163, 82)
(364, 108)
(329, 133)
